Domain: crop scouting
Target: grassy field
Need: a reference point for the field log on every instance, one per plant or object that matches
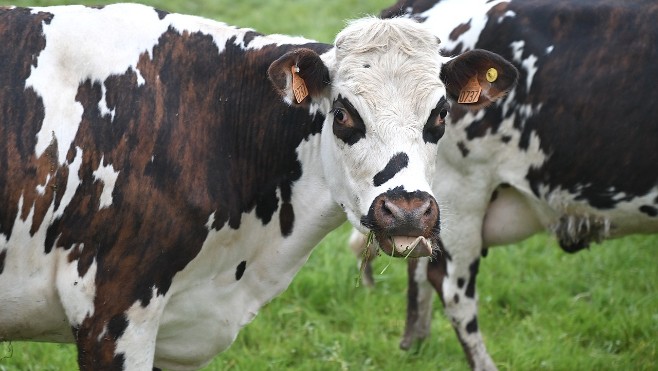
(539, 308)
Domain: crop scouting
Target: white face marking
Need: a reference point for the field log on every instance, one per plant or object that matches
(394, 96)
(108, 176)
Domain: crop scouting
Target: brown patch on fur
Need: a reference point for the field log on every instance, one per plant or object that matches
(47, 166)
(463, 148)
(205, 134)
(21, 114)
(460, 30)
(497, 11)
(192, 141)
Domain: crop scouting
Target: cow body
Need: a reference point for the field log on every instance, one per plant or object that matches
(118, 158)
(156, 191)
(571, 150)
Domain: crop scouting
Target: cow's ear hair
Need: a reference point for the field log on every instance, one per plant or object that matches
(494, 75)
(308, 66)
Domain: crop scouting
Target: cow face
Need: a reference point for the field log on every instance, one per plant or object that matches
(385, 91)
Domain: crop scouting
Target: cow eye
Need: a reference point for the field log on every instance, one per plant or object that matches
(341, 116)
(348, 125)
(436, 124)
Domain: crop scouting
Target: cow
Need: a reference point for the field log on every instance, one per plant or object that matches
(163, 176)
(572, 149)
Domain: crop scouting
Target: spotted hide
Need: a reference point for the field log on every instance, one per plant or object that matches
(163, 176)
(571, 150)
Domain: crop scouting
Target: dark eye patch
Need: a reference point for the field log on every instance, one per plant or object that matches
(436, 125)
(348, 125)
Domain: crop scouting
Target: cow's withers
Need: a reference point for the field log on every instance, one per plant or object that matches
(156, 191)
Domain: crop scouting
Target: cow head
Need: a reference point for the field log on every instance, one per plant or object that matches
(385, 91)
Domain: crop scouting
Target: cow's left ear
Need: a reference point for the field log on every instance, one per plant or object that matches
(300, 76)
(477, 78)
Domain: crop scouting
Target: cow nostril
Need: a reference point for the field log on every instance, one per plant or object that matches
(404, 213)
(430, 208)
(386, 209)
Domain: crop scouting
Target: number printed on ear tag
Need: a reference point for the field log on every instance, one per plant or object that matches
(471, 92)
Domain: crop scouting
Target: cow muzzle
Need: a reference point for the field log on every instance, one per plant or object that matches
(405, 224)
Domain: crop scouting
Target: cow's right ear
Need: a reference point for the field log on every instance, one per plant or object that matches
(300, 76)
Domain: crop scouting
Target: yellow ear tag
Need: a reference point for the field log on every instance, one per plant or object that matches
(492, 74)
(471, 92)
(298, 85)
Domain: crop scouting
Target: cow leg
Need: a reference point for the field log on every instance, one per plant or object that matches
(112, 339)
(460, 300)
(419, 303)
(457, 292)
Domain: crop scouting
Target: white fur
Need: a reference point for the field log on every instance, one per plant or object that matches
(45, 317)
(448, 14)
(29, 303)
(107, 175)
(140, 333)
(77, 292)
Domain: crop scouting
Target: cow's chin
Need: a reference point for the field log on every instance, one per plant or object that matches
(404, 246)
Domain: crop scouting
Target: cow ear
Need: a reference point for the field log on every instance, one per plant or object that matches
(477, 78)
(300, 76)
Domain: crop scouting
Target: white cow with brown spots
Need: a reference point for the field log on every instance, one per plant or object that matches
(156, 191)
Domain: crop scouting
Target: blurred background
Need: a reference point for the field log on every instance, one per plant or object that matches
(539, 307)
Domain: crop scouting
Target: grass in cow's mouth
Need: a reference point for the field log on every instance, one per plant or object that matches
(365, 256)
(393, 255)
(390, 258)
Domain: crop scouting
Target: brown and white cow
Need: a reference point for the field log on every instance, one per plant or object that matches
(572, 150)
(156, 191)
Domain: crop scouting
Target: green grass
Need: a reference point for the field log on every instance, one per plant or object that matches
(315, 19)
(539, 307)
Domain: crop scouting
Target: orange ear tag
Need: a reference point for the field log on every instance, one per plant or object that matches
(471, 92)
(298, 85)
